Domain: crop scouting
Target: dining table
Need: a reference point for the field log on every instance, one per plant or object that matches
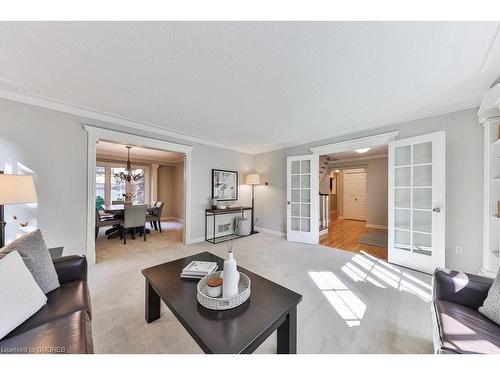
(119, 210)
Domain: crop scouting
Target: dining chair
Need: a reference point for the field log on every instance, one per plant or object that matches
(154, 217)
(104, 221)
(133, 218)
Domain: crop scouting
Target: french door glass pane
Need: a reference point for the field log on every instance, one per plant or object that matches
(305, 181)
(422, 153)
(305, 166)
(422, 175)
(305, 210)
(295, 210)
(295, 167)
(403, 155)
(422, 198)
(295, 224)
(295, 181)
(305, 195)
(402, 198)
(305, 225)
(402, 239)
(422, 221)
(295, 195)
(402, 219)
(403, 177)
(422, 243)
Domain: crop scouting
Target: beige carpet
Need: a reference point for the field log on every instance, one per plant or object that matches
(352, 303)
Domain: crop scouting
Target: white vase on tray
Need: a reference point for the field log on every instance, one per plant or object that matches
(230, 275)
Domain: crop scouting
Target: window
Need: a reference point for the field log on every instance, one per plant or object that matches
(118, 186)
(138, 188)
(112, 189)
(100, 180)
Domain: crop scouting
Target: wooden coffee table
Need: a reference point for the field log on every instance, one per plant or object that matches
(243, 329)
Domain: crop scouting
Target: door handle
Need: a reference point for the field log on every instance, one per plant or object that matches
(288, 202)
(436, 209)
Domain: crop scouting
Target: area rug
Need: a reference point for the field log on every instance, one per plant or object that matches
(377, 238)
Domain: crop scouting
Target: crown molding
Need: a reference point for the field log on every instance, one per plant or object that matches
(92, 114)
(19, 94)
(421, 115)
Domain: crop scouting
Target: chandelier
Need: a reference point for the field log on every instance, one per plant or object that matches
(128, 175)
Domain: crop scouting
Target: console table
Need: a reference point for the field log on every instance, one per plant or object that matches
(222, 211)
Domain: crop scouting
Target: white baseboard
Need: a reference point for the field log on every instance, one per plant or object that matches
(270, 231)
(323, 232)
(166, 218)
(195, 240)
(484, 272)
(376, 226)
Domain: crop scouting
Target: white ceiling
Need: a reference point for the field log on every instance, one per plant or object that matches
(118, 151)
(376, 150)
(255, 86)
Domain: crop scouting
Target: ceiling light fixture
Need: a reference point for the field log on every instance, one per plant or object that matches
(129, 174)
(362, 150)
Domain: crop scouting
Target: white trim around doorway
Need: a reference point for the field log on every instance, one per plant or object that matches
(351, 144)
(96, 133)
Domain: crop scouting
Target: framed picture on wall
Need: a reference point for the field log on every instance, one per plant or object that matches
(224, 185)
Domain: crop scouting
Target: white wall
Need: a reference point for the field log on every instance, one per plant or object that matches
(166, 193)
(464, 181)
(54, 146)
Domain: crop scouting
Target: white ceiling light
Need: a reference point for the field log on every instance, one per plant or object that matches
(362, 150)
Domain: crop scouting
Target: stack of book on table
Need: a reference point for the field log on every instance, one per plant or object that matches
(198, 269)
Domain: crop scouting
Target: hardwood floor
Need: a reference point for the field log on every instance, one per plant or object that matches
(344, 234)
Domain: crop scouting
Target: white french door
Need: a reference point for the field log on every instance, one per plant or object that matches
(417, 176)
(303, 198)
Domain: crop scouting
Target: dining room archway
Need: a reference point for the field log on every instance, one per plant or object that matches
(94, 135)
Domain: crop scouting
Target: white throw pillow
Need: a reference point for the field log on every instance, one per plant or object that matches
(20, 295)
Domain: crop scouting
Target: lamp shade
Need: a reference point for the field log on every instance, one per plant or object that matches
(17, 189)
(252, 179)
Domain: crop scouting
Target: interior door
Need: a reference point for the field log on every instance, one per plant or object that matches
(355, 195)
(303, 199)
(417, 202)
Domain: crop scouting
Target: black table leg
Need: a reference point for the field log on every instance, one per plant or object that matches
(115, 228)
(152, 304)
(287, 334)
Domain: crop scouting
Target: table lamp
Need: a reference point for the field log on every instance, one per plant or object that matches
(252, 179)
(14, 189)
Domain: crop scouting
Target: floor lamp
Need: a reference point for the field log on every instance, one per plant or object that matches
(14, 189)
(252, 179)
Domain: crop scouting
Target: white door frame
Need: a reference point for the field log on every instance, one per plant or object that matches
(362, 142)
(351, 144)
(344, 195)
(96, 133)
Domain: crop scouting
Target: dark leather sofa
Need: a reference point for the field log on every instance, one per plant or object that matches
(457, 325)
(63, 325)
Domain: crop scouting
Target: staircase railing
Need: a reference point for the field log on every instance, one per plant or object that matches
(324, 211)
